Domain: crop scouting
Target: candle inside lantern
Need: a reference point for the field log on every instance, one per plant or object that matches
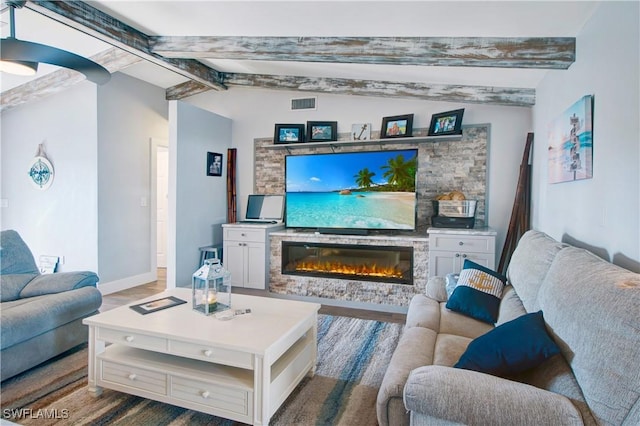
(211, 300)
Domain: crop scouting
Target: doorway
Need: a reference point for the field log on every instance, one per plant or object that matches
(162, 201)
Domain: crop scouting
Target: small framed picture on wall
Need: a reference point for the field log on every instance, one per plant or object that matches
(214, 164)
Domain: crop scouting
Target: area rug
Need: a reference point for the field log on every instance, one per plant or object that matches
(353, 355)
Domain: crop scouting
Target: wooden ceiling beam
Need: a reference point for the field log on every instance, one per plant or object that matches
(522, 52)
(89, 20)
(508, 96)
(113, 60)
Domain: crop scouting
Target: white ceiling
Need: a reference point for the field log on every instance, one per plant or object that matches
(321, 18)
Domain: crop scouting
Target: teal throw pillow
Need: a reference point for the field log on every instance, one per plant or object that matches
(511, 348)
(477, 293)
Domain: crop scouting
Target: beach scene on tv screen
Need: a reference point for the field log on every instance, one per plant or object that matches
(358, 190)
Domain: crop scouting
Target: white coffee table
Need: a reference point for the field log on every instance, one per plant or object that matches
(242, 369)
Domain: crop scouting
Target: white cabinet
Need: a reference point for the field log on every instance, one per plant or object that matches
(449, 248)
(246, 253)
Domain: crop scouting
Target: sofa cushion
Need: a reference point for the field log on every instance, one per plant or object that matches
(12, 284)
(26, 318)
(461, 325)
(511, 348)
(592, 309)
(15, 256)
(477, 293)
(529, 265)
(511, 306)
(449, 348)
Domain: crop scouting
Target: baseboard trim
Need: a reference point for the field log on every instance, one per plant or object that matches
(125, 283)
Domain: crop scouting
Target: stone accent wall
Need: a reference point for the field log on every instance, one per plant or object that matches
(344, 289)
(442, 167)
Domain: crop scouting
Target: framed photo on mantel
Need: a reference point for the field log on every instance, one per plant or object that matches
(399, 126)
(322, 131)
(288, 133)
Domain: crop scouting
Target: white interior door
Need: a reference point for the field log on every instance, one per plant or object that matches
(162, 203)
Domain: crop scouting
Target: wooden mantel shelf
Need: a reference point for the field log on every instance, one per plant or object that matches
(389, 141)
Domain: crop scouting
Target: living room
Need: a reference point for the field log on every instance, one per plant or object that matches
(101, 139)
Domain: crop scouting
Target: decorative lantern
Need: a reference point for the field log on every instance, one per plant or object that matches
(211, 288)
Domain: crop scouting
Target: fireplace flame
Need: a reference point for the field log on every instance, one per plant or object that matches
(372, 270)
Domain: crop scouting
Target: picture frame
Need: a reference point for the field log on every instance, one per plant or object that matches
(397, 126)
(288, 133)
(157, 305)
(361, 132)
(322, 131)
(446, 123)
(214, 164)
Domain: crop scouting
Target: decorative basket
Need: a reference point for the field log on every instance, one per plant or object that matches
(465, 208)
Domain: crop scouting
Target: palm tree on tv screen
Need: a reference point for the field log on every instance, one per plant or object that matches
(363, 178)
(401, 173)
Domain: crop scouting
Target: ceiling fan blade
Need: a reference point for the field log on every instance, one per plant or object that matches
(12, 49)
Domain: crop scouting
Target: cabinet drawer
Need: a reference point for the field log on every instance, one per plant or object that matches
(238, 401)
(462, 243)
(245, 235)
(217, 355)
(132, 339)
(134, 377)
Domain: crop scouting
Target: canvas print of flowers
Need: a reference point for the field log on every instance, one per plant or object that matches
(570, 151)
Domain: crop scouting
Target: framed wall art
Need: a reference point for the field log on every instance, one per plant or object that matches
(361, 132)
(214, 164)
(322, 131)
(399, 126)
(446, 123)
(288, 133)
(570, 151)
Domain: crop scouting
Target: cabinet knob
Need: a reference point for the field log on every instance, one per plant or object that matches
(128, 338)
(464, 256)
(457, 254)
(132, 376)
(207, 352)
(460, 243)
(205, 394)
(243, 234)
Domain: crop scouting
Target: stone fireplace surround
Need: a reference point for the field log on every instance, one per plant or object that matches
(442, 167)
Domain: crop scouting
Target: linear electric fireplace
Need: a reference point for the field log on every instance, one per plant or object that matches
(389, 264)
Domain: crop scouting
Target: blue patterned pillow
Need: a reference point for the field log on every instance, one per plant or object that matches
(511, 348)
(477, 293)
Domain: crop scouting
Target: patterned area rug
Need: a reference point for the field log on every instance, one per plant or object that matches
(353, 355)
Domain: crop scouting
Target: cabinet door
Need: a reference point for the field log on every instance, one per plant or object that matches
(234, 260)
(255, 266)
(484, 259)
(442, 263)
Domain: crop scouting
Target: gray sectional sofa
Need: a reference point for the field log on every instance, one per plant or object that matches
(41, 314)
(591, 310)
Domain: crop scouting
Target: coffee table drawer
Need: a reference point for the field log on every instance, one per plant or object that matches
(219, 396)
(134, 377)
(132, 339)
(217, 355)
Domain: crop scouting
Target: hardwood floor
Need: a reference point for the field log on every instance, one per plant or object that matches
(120, 298)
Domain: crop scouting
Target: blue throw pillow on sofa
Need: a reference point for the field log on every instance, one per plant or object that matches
(511, 348)
(477, 293)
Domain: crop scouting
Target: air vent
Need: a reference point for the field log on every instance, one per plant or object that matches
(303, 103)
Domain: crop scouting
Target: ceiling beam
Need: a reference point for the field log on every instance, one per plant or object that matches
(113, 60)
(433, 92)
(89, 20)
(523, 52)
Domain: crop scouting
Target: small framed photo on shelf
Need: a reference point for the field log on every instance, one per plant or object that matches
(214, 164)
(322, 131)
(288, 133)
(361, 132)
(446, 123)
(399, 126)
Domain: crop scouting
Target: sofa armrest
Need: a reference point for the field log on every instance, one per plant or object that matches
(469, 397)
(59, 282)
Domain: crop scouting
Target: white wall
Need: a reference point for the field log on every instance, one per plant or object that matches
(62, 220)
(602, 213)
(255, 111)
(130, 112)
(200, 200)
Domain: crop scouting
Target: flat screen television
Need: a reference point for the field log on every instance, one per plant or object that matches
(353, 191)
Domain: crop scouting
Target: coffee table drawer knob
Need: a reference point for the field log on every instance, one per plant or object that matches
(128, 338)
(207, 352)
(205, 394)
(132, 376)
